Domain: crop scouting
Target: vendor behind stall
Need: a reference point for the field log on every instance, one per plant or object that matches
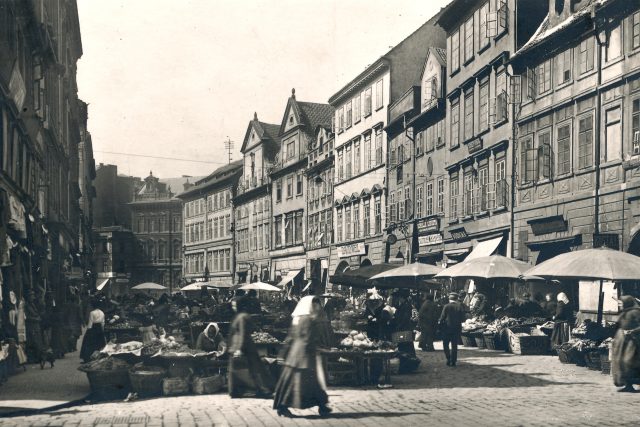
(251, 303)
(211, 339)
(562, 320)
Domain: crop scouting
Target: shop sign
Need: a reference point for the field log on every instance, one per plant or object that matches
(430, 224)
(547, 225)
(122, 280)
(607, 240)
(458, 234)
(475, 145)
(352, 250)
(430, 239)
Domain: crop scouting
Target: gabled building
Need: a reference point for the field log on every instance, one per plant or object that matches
(361, 148)
(320, 175)
(578, 138)
(208, 226)
(297, 132)
(252, 203)
(481, 93)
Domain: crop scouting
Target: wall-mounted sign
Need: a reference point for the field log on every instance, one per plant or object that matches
(430, 239)
(608, 240)
(474, 145)
(458, 233)
(352, 250)
(429, 224)
(549, 224)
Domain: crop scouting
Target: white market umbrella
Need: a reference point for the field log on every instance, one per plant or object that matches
(149, 286)
(260, 286)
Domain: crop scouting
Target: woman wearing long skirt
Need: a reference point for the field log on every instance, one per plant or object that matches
(562, 321)
(302, 382)
(247, 373)
(94, 339)
(625, 351)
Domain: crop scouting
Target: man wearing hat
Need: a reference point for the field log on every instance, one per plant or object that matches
(451, 319)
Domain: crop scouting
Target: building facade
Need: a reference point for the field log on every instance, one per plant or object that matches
(252, 204)
(578, 136)
(481, 37)
(297, 131)
(115, 256)
(319, 176)
(156, 215)
(361, 149)
(208, 226)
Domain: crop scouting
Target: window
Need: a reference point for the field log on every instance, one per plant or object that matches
(215, 228)
(613, 134)
(455, 122)
(339, 225)
(419, 201)
(298, 231)
(483, 111)
(613, 48)
(543, 77)
(419, 143)
(356, 157)
(545, 167)
(289, 186)
(468, 39)
(366, 223)
(367, 102)
(378, 146)
(501, 98)
(291, 149)
(468, 115)
(453, 197)
(454, 41)
(429, 204)
(497, 21)
(586, 55)
(340, 166)
(288, 229)
(564, 149)
(341, 119)
(635, 123)
(585, 142)
(483, 39)
(356, 109)
(563, 66)
(400, 204)
(440, 133)
(367, 151)
(347, 160)
(392, 207)
(440, 200)
(635, 30)
(277, 230)
(468, 201)
(378, 215)
(527, 161)
(356, 220)
(278, 191)
(299, 184)
(379, 100)
(349, 115)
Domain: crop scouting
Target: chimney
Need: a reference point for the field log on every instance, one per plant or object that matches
(187, 185)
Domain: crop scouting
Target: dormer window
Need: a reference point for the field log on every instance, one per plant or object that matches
(290, 120)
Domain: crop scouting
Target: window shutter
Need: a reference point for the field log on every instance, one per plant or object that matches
(492, 24)
(503, 15)
(531, 83)
(516, 90)
(636, 142)
(530, 165)
(492, 111)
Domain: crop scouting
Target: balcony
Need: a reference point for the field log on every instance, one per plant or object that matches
(479, 200)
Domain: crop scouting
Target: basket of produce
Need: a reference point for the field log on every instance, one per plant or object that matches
(147, 380)
(492, 340)
(479, 339)
(175, 386)
(356, 340)
(592, 360)
(526, 340)
(468, 340)
(568, 354)
(606, 367)
(207, 385)
(108, 378)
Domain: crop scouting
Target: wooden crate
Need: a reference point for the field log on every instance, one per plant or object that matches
(535, 342)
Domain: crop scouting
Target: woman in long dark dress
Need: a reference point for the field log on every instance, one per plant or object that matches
(247, 373)
(625, 351)
(402, 322)
(562, 321)
(94, 339)
(302, 382)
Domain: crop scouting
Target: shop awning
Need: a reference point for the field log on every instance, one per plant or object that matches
(485, 248)
(102, 283)
(456, 252)
(289, 277)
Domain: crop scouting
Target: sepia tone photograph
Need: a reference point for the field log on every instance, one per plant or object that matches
(319, 212)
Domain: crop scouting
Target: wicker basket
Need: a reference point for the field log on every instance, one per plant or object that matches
(533, 343)
(592, 360)
(606, 367)
(492, 341)
(468, 340)
(109, 385)
(174, 386)
(147, 383)
(479, 339)
(570, 355)
(207, 385)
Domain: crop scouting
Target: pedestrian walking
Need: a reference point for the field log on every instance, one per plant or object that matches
(94, 339)
(450, 321)
(302, 382)
(403, 326)
(428, 321)
(625, 350)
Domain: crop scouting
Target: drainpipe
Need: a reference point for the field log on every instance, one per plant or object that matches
(597, 127)
(410, 257)
(512, 215)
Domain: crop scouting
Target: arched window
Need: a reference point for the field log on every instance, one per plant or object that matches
(151, 249)
(176, 250)
(161, 249)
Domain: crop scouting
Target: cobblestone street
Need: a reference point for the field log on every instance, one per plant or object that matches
(487, 388)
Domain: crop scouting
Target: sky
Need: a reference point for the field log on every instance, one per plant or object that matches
(175, 79)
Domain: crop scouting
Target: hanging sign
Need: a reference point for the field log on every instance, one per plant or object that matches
(352, 250)
(430, 239)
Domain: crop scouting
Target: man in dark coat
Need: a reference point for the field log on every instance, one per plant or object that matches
(451, 319)
(428, 322)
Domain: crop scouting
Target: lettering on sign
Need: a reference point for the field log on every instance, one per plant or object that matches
(352, 250)
(548, 225)
(430, 224)
(430, 239)
(458, 234)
